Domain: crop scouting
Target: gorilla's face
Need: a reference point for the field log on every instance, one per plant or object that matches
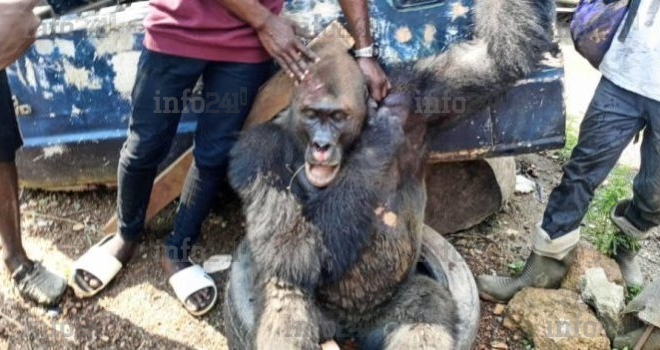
(330, 129)
(330, 109)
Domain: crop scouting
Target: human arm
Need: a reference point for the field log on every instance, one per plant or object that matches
(276, 34)
(17, 27)
(357, 16)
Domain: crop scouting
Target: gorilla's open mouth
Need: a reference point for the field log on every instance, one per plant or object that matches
(321, 175)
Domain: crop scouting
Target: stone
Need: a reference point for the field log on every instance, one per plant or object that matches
(585, 259)
(499, 309)
(498, 345)
(217, 263)
(556, 319)
(524, 185)
(78, 227)
(607, 298)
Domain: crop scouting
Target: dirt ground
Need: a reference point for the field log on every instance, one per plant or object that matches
(139, 310)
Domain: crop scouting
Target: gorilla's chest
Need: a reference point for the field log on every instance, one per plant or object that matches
(387, 261)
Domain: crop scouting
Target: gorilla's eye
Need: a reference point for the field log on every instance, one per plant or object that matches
(339, 116)
(309, 114)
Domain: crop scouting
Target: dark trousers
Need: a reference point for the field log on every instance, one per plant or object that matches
(163, 88)
(10, 136)
(613, 119)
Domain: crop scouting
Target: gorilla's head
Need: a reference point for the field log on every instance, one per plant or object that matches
(329, 108)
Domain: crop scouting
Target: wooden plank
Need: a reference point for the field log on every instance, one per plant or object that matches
(645, 337)
(167, 188)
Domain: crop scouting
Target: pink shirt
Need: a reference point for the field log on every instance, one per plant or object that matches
(203, 29)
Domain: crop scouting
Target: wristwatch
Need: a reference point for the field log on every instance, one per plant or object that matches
(370, 51)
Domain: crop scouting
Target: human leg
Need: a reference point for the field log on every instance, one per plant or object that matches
(157, 104)
(33, 281)
(218, 127)
(635, 218)
(614, 117)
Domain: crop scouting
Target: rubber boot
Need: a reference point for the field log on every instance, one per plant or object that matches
(546, 267)
(627, 258)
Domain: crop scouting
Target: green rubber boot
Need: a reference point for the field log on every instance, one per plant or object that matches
(625, 257)
(545, 268)
(539, 272)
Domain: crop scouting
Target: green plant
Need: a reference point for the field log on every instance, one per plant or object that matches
(516, 267)
(604, 234)
(527, 344)
(633, 291)
(572, 132)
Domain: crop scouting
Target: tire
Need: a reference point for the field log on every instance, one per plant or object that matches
(439, 260)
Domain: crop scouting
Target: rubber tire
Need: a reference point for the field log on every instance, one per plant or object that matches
(440, 261)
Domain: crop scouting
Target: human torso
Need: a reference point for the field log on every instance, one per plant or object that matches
(203, 29)
(635, 63)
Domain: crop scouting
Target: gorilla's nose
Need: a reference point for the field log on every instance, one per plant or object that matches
(321, 146)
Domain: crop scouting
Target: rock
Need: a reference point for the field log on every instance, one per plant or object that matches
(606, 297)
(54, 312)
(585, 259)
(78, 227)
(556, 320)
(499, 309)
(498, 345)
(217, 263)
(509, 324)
(524, 185)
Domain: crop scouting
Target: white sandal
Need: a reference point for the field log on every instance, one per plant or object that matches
(99, 263)
(190, 281)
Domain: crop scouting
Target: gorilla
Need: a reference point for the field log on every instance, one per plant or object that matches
(333, 189)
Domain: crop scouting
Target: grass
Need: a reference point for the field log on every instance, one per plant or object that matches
(516, 267)
(633, 292)
(599, 227)
(618, 186)
(572, 132)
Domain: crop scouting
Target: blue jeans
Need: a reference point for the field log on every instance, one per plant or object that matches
(163, 88)
(613, 119)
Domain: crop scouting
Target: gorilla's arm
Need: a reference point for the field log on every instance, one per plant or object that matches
(344, 212)
(284, 244)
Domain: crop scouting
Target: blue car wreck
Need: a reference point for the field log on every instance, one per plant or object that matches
(72, 90)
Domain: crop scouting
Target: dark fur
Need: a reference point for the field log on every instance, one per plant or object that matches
(346, 254)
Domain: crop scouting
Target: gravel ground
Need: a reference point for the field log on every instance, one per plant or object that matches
(139, 310)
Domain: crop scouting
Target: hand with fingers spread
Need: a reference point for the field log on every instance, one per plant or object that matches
(17, 27)
(278, 36)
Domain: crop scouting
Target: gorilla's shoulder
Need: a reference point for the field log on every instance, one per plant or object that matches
(263, 149)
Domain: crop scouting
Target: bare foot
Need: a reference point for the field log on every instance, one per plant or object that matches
(198, 301)
(117, 247)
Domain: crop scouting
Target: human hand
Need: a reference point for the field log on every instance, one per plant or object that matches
(17, 27)
(278, 36)
(379, 85)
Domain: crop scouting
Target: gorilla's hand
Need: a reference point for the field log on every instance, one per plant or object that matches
(383, 134)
